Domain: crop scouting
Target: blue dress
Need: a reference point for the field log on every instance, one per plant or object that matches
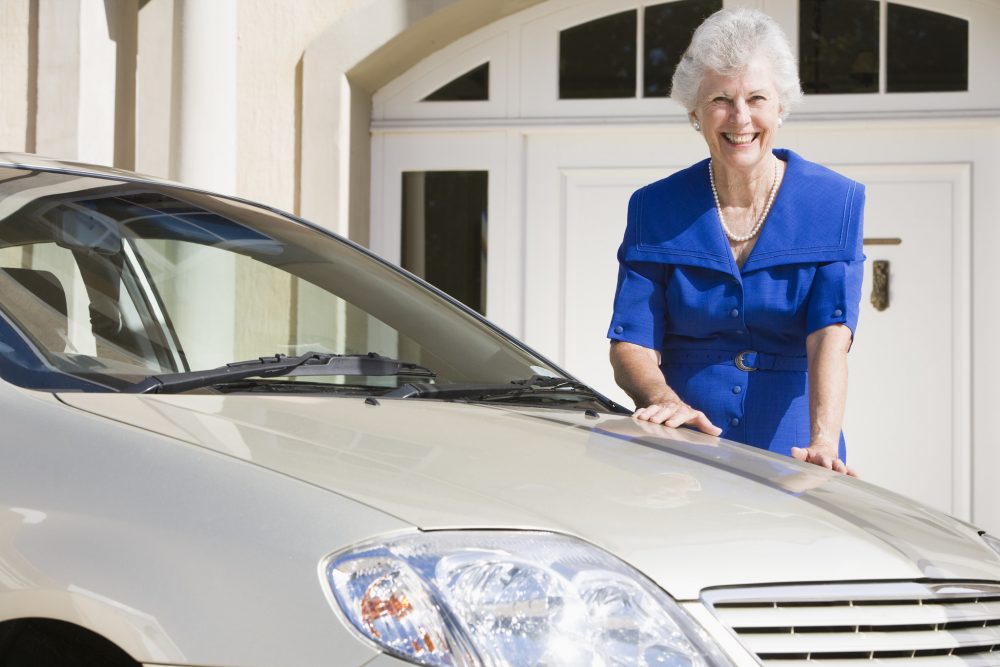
(732, 341)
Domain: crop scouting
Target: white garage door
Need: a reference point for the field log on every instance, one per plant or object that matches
(559, 155)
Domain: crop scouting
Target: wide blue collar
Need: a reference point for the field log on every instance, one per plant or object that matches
(816, 217)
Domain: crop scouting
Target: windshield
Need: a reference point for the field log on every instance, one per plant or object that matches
(105, 283)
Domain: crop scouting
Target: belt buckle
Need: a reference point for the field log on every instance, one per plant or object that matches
(740, 364)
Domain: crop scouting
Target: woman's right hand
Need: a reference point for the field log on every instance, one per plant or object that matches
(637, 371)
(674, 412)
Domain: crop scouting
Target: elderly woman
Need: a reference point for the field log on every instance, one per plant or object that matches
(740, 276)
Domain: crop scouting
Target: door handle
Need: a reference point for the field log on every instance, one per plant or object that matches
(880, 284)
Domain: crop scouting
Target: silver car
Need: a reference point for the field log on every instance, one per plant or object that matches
(232, 439)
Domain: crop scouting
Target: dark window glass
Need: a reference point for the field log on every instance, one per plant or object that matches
(926, 51)
(444, 232)
(667, 31)
(598, 59)
(473, 86)
(838, 46)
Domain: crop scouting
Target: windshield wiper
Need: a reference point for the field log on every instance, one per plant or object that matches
(313, 363)
(537, 384)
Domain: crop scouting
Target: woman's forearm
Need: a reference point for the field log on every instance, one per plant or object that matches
(637, 372)
(827, 351)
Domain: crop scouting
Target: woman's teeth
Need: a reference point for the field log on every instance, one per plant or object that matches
(739, 138)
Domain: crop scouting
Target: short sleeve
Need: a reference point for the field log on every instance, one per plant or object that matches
(640, 299)
(640, 304)
(835, 297)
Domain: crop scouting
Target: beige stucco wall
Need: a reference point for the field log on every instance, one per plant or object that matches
(272, 37)
(248, 116)
(122, 82)
(69, 105)
(154, 88)
(15, 133)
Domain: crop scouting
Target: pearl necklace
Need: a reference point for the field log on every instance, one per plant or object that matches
(763, 216)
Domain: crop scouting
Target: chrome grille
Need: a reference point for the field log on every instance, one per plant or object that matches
(905, 624)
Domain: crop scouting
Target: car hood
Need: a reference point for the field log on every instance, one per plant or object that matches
(689, 510)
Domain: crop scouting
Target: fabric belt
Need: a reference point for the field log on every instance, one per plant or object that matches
(745, 360)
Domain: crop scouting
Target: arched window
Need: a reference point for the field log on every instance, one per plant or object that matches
(926, 51)
(597, 59)
(615, 59)
(839, 48)
(602, 58)
(473, 86)
(667, 29)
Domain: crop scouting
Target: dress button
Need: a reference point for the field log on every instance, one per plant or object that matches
(735, 312)
(838, 312)
(737, 389)
(735, 421)
(619, 329)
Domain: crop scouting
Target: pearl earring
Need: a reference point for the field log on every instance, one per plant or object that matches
(781, 121)
(696, 125)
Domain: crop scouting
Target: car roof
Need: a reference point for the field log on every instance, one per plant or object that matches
(31, 161)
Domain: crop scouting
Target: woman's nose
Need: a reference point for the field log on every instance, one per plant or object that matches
(740, 112)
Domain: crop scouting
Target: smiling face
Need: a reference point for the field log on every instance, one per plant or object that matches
(739, 115)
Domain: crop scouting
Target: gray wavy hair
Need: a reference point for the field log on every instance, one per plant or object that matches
(726, 42)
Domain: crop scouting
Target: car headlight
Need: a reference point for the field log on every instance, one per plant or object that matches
(490, 599)
(993, 542)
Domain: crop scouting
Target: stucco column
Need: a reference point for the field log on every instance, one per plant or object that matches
(205, 157)
(205, 144)
(155, 87)
(86, 55)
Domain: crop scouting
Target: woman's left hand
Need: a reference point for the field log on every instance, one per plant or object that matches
(824, 455)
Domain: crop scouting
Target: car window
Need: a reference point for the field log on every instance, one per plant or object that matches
(290, 315)
(72, 319)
